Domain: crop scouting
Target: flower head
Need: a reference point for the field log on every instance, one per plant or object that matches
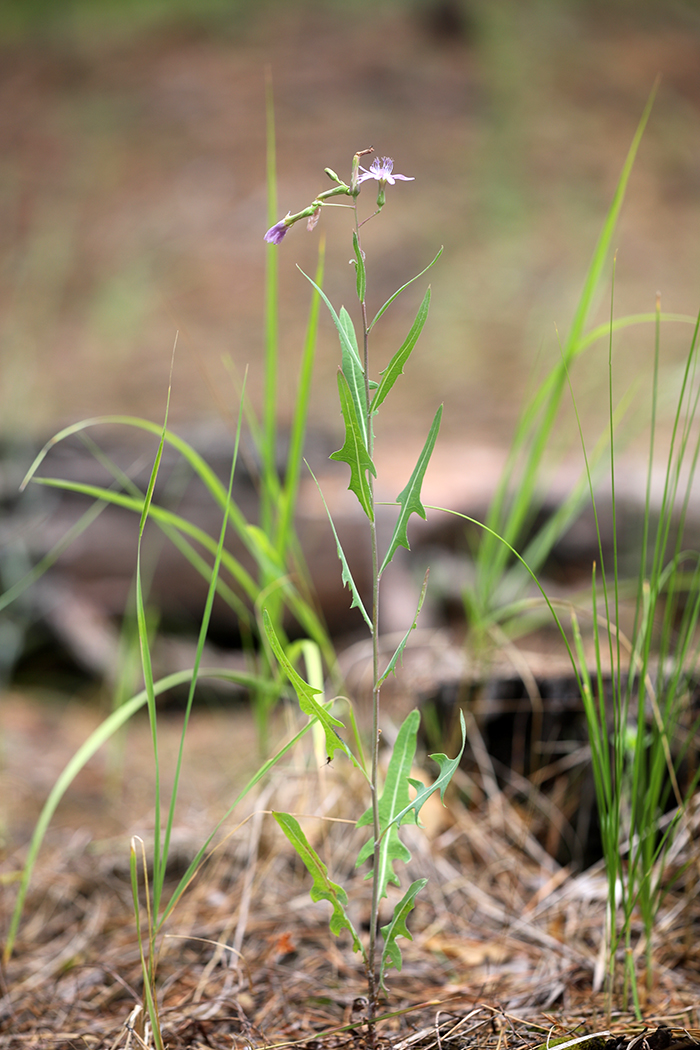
(276, 233)
(382, 171)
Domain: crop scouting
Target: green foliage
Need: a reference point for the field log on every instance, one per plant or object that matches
(346, 575)
(514, 505)
(323, 889)
(354, 372)
(636, 766)
(354, 451)
(359, 267)
(385, 815)
(409, 498)
(391, 955)
(306, 695)
(391, 666)
(395, 367)
(394, 800)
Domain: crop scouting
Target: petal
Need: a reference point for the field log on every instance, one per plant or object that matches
(404, 178)
(276, 233)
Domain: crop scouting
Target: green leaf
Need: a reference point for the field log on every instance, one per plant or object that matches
(323, 889)
(354, 372)
(402, 644)
(306, 695)
(394, 801)
(345, 343)
(346, 575)
(423, 793)
(360, 268)
(395, 367)
(396, 294)
(410, 497)
(391, 956)
(354, 451)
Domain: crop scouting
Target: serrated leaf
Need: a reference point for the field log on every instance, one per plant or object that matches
(360, 268)
(423, 793)
(395, 367)
(323, 889)
(409, 498)
(391, 955)
(354, 372)
(394, 801)
(402, 644)
(354, 451)
(346, 575)
(306, 695)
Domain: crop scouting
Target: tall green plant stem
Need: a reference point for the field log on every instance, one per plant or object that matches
(268, 452)
(376, 830)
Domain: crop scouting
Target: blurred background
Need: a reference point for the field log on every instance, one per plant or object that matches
(133, 205)
(133, 200)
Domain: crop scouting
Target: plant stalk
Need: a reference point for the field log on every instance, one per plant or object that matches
(372, 984)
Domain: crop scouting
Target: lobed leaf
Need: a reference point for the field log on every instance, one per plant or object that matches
(323, 889)
(391, 955)
(409, 498)
(306, 694)
(394, 808)
(354, 451)
(395, 367)
(423, 793)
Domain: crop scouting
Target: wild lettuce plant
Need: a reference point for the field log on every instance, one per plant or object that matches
(360, 399)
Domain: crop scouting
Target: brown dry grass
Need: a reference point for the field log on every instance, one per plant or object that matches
(506, 949)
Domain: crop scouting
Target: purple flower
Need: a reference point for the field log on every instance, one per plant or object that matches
(276, 233)
(382, 171)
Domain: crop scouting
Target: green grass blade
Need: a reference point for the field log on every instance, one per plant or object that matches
(203, 631)
(535, 429)
(269, 428)
(255, 779)
(45, 563)
(169, 518)
(85, 752)
(159, 859)
(301, 411)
